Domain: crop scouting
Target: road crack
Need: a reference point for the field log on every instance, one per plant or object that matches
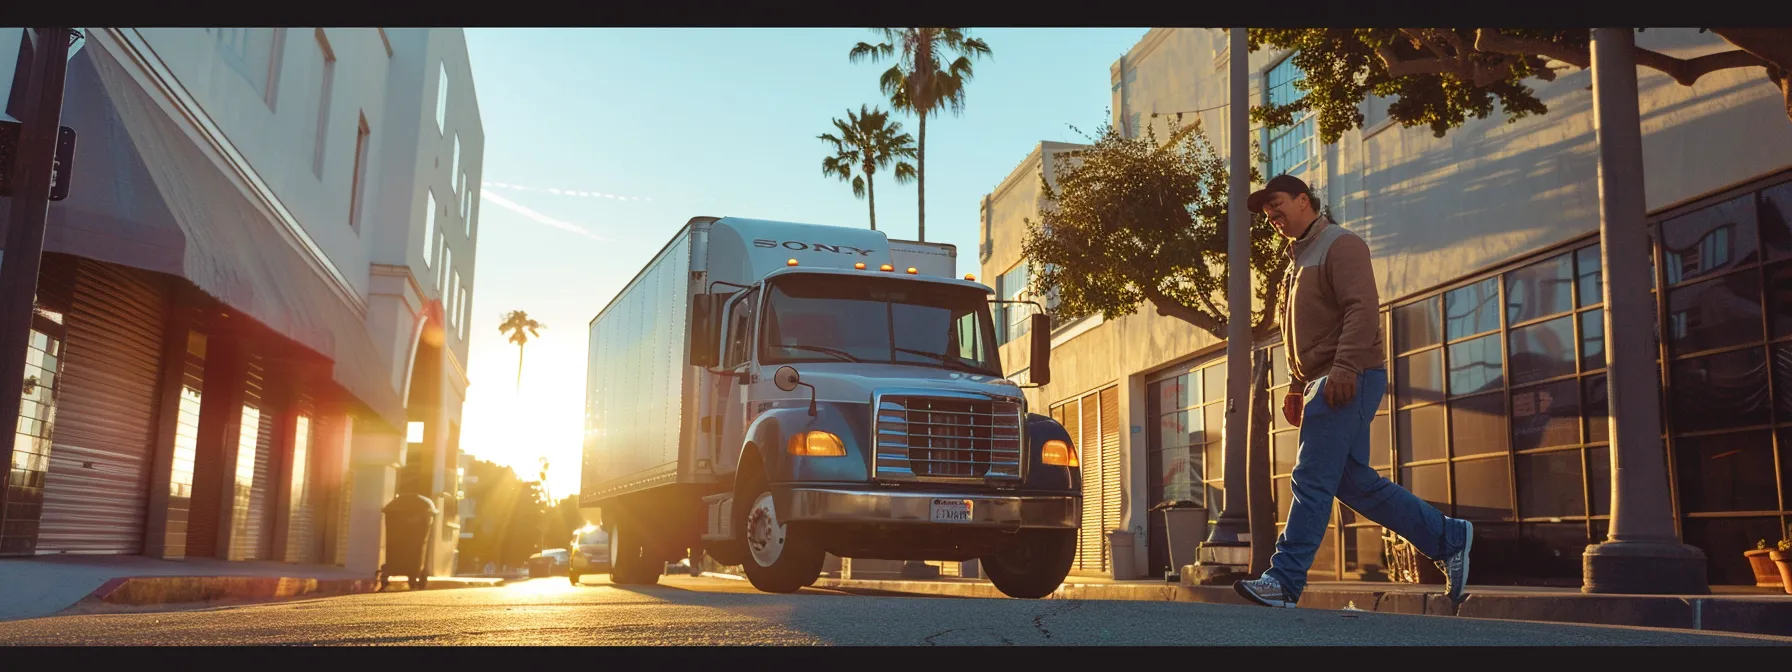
(1052, 612)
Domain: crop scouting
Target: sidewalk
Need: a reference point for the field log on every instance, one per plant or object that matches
(47, 585)
(1741, 609)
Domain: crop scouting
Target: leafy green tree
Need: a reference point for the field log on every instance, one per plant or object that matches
(926, 78)
(868, 142)
(1441, 77)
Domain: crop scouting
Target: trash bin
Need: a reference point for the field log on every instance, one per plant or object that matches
(1185, 526)
(408, 521)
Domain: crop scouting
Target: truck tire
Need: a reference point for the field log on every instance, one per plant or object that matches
(1034, 565)
(780, 558)
(630, 563)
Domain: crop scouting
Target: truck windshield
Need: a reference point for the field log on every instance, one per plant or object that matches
(829, 318)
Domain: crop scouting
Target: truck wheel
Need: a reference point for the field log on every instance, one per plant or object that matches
(1034, 565)
(630, 563)
(781, 558)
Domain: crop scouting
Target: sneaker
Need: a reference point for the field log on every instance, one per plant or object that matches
(1455, 567)
(1265, 591)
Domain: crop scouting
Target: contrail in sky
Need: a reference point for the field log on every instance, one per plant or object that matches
(564, 192)
(523, 210)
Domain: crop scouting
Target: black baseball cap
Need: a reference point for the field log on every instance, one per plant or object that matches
(1287, 184)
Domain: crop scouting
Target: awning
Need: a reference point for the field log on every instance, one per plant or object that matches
(178, 213)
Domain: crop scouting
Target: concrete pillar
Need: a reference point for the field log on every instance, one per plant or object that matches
(1642, 554)
(1228, 544)
(373, 474)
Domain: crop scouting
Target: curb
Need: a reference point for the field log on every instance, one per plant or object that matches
(1744, 615)
(152, 590)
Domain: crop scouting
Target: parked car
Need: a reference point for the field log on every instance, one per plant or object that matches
(549, 562)
(590, 553)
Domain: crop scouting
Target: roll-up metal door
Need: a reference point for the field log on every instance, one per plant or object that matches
(252, 532)
(1090, 551)
(96, 493)
(301, 530)
(1110, 470)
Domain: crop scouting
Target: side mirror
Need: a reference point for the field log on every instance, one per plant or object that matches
(787, 380)
(1039, 371)
(703, 331)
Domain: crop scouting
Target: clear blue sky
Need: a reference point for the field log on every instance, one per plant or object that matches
(655, 126)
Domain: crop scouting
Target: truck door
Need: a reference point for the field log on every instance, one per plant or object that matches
(731, 395)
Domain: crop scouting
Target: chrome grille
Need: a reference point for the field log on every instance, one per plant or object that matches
(936, 437)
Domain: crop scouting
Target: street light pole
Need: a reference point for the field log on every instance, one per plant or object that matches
(1227, 549)
(1641, 554)
(31, 176)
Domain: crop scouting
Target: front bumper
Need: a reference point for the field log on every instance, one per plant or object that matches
(987, 511)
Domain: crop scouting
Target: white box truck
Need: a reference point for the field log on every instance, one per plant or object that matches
(769, 392)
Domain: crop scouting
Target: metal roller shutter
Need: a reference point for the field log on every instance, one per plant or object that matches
(96, 492)
(1110, 470)
(252, 532)
(1090, 552)
(301, 531)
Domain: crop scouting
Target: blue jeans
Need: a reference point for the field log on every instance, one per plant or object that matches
(1334, 462)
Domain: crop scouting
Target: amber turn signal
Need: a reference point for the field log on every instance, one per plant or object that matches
(816, 444)
(1059, 453)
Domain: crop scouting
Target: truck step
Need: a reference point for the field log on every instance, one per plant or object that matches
(721, 516)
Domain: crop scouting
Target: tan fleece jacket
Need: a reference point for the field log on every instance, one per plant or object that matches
(1331, 313)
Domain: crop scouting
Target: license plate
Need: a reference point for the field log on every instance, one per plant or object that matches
(951, 510)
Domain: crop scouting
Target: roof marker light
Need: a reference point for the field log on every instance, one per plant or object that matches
(887, 267)
(792, 262)
(970, 277)
(911, 270)
(860, 265)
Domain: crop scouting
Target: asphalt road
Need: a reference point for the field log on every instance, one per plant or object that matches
(686, 611)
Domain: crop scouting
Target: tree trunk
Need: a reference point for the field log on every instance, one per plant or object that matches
(519, 367)
(921, 181)
(871, 191)
(1258, 467)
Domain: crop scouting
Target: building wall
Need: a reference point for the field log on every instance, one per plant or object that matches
(1434, 210)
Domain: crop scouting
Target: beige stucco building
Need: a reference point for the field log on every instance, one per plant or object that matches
(1486, 251)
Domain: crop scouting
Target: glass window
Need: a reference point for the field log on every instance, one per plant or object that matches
(740, 330)
(1417, 325)
(1484, 489)
(1552, 550)
(1362, 551)
(1473, 309)
(1726, 472)
(1475, 366)
(1421, 434)
(1724, 540)
(1419, 378)
(1716, 313)
(1541, 289)
(1278, 367)
(1214, 461)
(1549, 484)
(1593, 391)
(1599, 480)
(429, 228)
(1214, 387)
(1782, 381)
(1014, 319)
(1290, 146)
(1430, 482)
(1546, 415)
(1779, 298)
(1711, 240)
(1544, 350)
(1286, 447)
(1586, 261)
(829, 318)
(1177, 481)
(1478, 425)
(1776, 220)
(1381, 450)
(1284, 498)
(1720, 391)
(1592, 340)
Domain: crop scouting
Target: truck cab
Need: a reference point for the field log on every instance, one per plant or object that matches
(771, 392)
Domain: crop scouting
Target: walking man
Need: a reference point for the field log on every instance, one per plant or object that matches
(1331, 332)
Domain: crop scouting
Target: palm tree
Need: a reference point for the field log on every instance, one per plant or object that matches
(520, 327)
(868, 141)
(919, 82)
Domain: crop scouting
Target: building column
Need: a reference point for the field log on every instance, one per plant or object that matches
(1642, 553)
(182, 391)
(373, 477)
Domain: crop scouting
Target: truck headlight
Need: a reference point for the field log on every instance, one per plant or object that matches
(1060, 454)
(817, 444)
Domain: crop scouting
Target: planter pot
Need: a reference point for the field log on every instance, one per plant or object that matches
(1784, 561)
(1767, 574)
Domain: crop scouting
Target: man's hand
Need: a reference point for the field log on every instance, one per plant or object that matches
(1291, 408)
(1339, 390)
